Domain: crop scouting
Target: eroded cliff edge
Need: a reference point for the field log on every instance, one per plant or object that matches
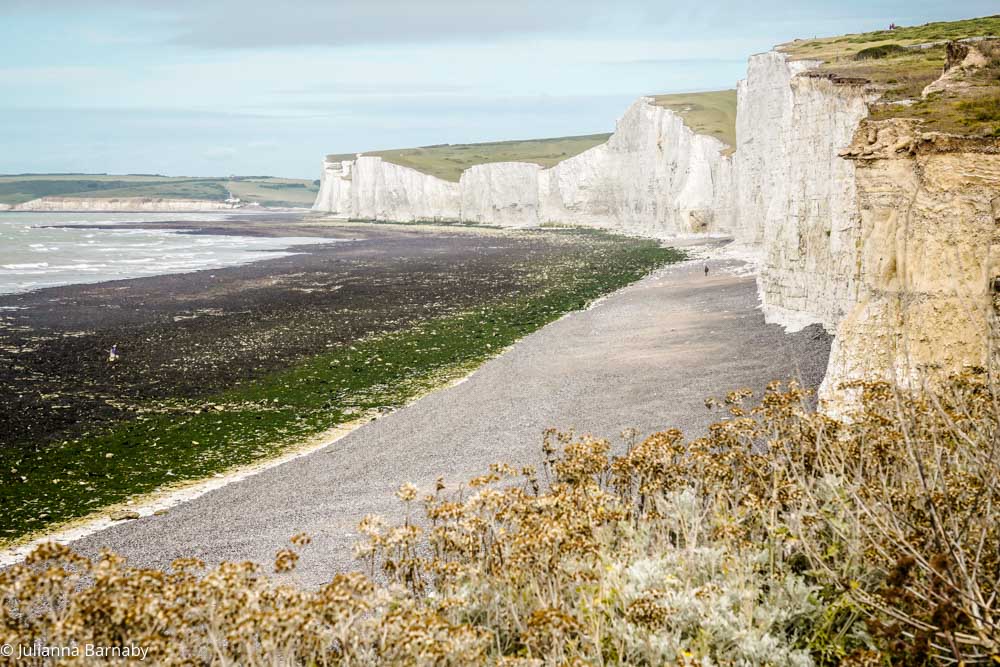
(881, 232)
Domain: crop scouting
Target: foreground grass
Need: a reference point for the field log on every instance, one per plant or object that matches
(448, 161)
(265, 190)
(781, 538)
(185, 440)
(712, 113)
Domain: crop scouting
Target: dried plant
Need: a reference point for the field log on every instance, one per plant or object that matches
(782, 537)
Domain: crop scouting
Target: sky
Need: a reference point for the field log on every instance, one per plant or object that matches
(218, 87)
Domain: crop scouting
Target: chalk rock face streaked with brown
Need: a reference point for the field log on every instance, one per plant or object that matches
(927, 258)
(885, 235)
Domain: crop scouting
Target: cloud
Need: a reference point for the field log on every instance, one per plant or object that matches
(320, 22)
(254, 24)
(219, 153)
(365, 88)
(52, 74)
(677, 61)
(265, 24)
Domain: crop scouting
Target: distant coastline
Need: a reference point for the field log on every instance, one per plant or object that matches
(151, 192)
(110, 204)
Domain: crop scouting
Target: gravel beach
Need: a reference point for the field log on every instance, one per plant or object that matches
(646, 357)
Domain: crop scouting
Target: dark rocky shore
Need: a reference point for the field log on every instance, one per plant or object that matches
(192, 334)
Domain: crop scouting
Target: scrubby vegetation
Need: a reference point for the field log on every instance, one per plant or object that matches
(782, 537)
(901, 63)
(882, 51)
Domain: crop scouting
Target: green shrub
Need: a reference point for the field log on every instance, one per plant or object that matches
(879, 52)
(983, 109)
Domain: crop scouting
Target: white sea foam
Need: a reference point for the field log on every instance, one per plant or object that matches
(17, 267)
(90, 255)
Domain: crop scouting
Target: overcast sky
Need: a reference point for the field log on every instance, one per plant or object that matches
(203, 87)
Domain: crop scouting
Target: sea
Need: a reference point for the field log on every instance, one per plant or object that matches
(40, 250)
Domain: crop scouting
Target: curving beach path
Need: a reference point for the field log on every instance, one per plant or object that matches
(645, 357)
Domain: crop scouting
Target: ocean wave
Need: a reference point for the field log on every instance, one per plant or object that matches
(18, 267)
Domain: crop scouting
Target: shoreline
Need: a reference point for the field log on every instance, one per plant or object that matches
(155, 502)
(228, 367)
(644, 357)
(42, 259)
(58, 204)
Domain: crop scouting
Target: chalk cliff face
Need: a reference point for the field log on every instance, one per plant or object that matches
(764, 105)
(654, 176)
(501, 193)
(797, 198)
(369, 188)
(384, 191)
(885, 236)
(928, 257)
(75, 204)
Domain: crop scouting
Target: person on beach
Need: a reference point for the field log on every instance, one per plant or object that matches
(706, 269)
(113, 354)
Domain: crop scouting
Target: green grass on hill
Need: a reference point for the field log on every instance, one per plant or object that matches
(901, 73)
(712, 113)
(831, 49)
(448, 161)
(265, 190)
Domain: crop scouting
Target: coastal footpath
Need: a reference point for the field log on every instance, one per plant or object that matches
(881, 230)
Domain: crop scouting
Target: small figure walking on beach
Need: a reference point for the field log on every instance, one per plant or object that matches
(706, 269)
(113, 354)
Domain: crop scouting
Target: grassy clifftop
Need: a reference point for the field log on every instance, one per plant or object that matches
(448, 161)
(711, 113)
(265, 190)
(902, 62)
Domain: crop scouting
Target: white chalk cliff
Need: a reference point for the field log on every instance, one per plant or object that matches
(653, 176)
(886, 238)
